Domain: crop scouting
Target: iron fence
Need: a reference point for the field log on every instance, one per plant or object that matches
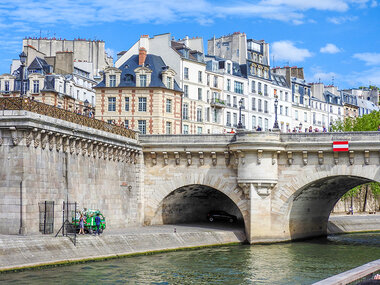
(18, 103)
(46, 210)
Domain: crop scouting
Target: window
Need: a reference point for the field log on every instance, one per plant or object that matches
(168, 105)
(229, 68)
(186, 73)
(199, 130)
(338, 110)
(259, 88)
(242, 103)
(142, 80)
(265, 106)
(281, 110)
(260, 109)
(253, 87)
(112, 104)
(235, 120)
(286, 111)
(228, 84)
(77, 94)
(238, 87)
(142, 104)
(199, 93)
(185, 111)
(228, 100)
(331, 109)
(200, 76)
(228, 121)
(185, 129)
(305, 116)
(207, 112)
(36, 86)
(26, 87)
(296, 115)
(109, 121)
(127, 104)
(265, 90)
(126, 124)
(281, 95)
(112, 80)
(253, 104)
(168, 128)
(186, 90)
(215, 82)
(243, 120)
(286, 96)
(260, 122)
(199, 114)
(266, 124)
(142, 126)
(169, 82)
(253, 122)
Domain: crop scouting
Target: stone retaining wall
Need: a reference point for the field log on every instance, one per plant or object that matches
(34, 251)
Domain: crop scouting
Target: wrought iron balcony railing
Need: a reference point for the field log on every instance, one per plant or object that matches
(17, 103)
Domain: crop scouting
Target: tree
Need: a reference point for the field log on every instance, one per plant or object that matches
(368, 122)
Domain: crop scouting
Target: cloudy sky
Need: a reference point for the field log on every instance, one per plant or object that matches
(337, 39)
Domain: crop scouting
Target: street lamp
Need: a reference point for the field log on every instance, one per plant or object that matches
(275, 126)
(240, 125)
(22, 60)
(300, 127)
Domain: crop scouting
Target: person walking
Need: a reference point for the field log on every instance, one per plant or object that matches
(81, 225)
(98, 223)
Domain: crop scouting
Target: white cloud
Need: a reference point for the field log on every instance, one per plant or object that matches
(370, 58)
(330, 48)
(366, 77)
(342, 19)
(80, 12)
(287, 51)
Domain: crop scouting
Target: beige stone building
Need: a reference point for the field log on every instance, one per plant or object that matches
(142, 94)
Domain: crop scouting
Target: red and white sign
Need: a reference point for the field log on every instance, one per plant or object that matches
(340, 146)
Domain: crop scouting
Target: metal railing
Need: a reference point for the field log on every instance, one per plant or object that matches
(17, 103)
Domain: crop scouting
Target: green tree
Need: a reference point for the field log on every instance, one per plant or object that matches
(368, 122)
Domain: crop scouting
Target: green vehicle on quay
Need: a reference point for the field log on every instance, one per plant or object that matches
(89, 221)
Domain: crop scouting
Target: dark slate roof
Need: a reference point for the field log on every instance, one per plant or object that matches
(153, 62)
(334, 98)
(279, 80)
(39, 64)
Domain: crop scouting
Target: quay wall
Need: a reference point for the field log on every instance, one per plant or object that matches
(46, 159)
(34, 251)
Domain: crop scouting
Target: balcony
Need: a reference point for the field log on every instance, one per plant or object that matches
(218, 103)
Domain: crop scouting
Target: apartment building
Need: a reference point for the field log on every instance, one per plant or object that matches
(141, 94)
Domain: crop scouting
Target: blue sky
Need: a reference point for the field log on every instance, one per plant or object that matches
(329, 38)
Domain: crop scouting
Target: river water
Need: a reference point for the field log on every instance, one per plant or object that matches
(285, 263)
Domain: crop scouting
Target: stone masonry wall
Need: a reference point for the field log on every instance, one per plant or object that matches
(40, 168)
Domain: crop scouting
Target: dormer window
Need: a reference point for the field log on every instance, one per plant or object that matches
(169, 81)
(229, 68)
(143, 81)
(112, 80)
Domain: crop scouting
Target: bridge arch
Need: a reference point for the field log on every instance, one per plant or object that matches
(167, 202)
(312, 195)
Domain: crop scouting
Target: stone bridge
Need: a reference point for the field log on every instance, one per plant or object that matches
(283, 186)
(280, 186)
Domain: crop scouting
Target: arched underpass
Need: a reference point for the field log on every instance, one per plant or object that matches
(192, 203)
(313, 203)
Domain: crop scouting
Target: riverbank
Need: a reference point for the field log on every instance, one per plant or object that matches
(353, 223)
(19, 252)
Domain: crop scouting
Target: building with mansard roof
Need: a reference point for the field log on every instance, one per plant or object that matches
(141, 94)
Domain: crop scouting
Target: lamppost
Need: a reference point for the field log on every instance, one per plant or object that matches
(240, 125)
(22, 60)
(275, 126)
(300, 127)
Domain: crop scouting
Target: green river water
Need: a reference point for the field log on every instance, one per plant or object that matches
(285, 263)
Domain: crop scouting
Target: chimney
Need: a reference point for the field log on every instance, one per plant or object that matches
(142, 55)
